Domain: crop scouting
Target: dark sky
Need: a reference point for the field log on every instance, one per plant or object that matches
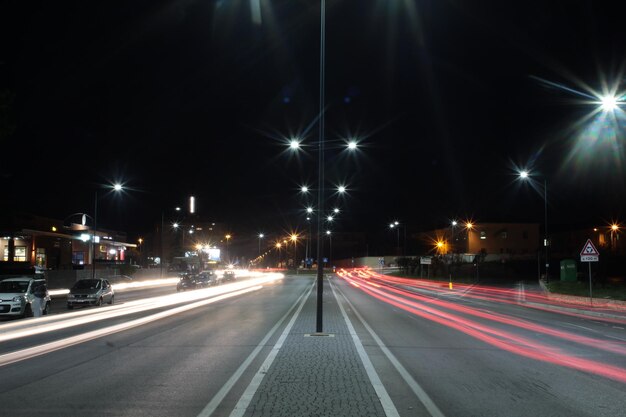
(193, 97)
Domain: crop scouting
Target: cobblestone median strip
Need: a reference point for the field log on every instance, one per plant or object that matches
(315, 376)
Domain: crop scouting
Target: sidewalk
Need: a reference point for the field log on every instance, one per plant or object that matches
(316, 375)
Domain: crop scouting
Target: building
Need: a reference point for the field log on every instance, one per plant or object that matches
(31, 244)
(493, 240)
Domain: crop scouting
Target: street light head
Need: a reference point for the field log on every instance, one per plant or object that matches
(228, 237)
(304, 189)
(330, 218)
(439, 244)
(614, 227)
(391, 225)
(175, 225)
(261, 235)
(341, 189)
(278, 245)
(396, 223)
(469, 225)
(352, 145)
(454, 223)
(336, 210)
(608, 103)
(177, 209)
(117, 187)
(294, 237)
(294, 144)
(523, 174)
(309, 210)
(328, 232)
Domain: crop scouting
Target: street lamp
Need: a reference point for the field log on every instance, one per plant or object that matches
(330, 246)
(294, 239)
(278, 246)
(525, 175)
(117, 188)
(228, 236)
(261, 236)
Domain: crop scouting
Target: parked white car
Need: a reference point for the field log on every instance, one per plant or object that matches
(24, 297)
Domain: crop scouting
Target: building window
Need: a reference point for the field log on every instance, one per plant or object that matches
(78, 258)
(20, 254)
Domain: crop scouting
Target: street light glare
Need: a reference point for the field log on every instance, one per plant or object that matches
(336, 210)
(328, 232)
(309, 210)
(261, 235)
(352, 145)
(304, 189)
(608, 103)
(117, 187)
(523, 174)
(341, 189)
(329, 218)
(454, 223)
(294, 144)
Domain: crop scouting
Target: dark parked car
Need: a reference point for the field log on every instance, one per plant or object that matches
(87, 292)
(207, 279)
(186, 282)
(229, 275)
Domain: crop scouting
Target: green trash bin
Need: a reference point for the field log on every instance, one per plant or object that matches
(568, 270)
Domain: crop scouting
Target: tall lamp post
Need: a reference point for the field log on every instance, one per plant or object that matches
(525, 175)
(228, 236)
(116, 188)
(330, 248)
(261, 236)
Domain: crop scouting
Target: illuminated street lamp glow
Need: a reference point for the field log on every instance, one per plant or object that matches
(304, 189)
(341, 189)
(330, 218)
(523, 174)
(336, 210)
(328, 232)
(608, 103)
(309, 210)
(469, 225)
(278, 245)
(454, 223)
(261, 235)
(117, 187)
(294, 144)
(293, 237)
(352, 145)
(614, 227)
(175, 225)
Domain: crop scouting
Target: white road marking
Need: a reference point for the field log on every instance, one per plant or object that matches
(428, 403)
(217, 398)
(246, 397)
(385, 400)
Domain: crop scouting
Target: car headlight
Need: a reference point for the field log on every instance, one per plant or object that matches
(71, 296)
(19, 298)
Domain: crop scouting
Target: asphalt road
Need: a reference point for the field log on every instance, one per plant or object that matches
(471, 351)
(477, 352)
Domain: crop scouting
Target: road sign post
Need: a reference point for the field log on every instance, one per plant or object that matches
(589, 254)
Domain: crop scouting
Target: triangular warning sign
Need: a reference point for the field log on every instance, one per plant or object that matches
(589, 249)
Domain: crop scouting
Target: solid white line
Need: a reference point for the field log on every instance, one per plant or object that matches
(428, 403)
(383, 396)
(217, 399)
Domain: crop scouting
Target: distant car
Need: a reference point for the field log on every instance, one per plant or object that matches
(186, 282)
(19, 297)
(86, 292)
(229, 275)
(207, 279)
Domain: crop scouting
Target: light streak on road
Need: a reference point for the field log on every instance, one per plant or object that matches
(433, 309)
(23, 354)
(30, 327)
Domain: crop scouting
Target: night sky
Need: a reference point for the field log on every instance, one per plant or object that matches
(446, 98)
